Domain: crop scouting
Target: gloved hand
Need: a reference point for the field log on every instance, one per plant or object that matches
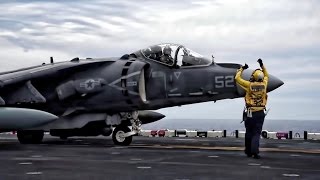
(260, 62)
(245, 67)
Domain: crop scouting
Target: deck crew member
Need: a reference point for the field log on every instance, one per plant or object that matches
(256, 100)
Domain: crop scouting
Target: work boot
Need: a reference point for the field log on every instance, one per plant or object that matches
(249, 155)
(256, 156)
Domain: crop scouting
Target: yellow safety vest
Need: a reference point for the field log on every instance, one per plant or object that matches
(256, 97)
(256, 92)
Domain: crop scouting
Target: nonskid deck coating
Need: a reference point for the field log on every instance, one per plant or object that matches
(157, 158)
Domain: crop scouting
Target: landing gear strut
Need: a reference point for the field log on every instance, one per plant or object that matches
(119, 138)
(122, 135)
(30, 137)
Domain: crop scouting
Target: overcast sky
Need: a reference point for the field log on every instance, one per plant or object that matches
(284, 33)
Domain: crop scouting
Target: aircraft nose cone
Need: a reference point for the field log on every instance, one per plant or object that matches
(274, 83)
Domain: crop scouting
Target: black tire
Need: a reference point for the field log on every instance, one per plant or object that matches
(264, 134)
(30, 137)
(121, 141)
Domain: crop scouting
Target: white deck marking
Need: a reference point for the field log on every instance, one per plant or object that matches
(136, 159)
(185, 139)
(25, 163)
(144, 167)
(213, 156)
(36, 156)
(33, 173)
(8, 138)
(169, 147)
(265, 167)
(120, 147)
(35, 159)
(295, 155)
(254, 164)
(291, 175)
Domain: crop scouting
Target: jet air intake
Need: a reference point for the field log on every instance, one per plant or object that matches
(132, 82)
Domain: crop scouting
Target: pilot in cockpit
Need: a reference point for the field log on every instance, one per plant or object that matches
(148, 53)
(156, 52)
(166, 57)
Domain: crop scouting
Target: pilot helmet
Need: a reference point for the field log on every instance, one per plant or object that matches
(156, 49)
(257, 75)
(147, 52)
(167, 50)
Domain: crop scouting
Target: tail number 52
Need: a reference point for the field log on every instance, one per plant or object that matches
(224, 81)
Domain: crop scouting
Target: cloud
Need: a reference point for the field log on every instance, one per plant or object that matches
(285, 33)
(239, 27)
(13, 57)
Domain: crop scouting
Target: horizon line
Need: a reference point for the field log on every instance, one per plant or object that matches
(241, 119)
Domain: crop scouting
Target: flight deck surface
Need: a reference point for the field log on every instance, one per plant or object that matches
(157, 158)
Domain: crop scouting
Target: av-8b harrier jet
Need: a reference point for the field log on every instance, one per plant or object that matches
(90, 97)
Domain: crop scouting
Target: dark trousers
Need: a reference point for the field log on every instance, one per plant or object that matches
(253, 131)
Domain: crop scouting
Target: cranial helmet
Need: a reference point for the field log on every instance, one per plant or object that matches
(257, 75)
(147, 52)
(167, 50)
(156, 49)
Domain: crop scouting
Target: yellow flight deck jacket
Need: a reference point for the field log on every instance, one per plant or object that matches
(256, 92)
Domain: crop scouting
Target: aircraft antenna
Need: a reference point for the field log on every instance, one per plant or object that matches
(212, 59)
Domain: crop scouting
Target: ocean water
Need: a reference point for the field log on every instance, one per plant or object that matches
(297, 126)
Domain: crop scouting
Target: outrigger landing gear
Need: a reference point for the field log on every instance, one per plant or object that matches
(30, 137)
(122, 135)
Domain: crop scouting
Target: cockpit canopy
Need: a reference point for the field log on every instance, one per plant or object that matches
(175, 55)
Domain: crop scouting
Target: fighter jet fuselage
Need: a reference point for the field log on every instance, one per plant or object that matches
(108, 91)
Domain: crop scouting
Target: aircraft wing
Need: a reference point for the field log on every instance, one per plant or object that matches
(16, 88)
(26, 74)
